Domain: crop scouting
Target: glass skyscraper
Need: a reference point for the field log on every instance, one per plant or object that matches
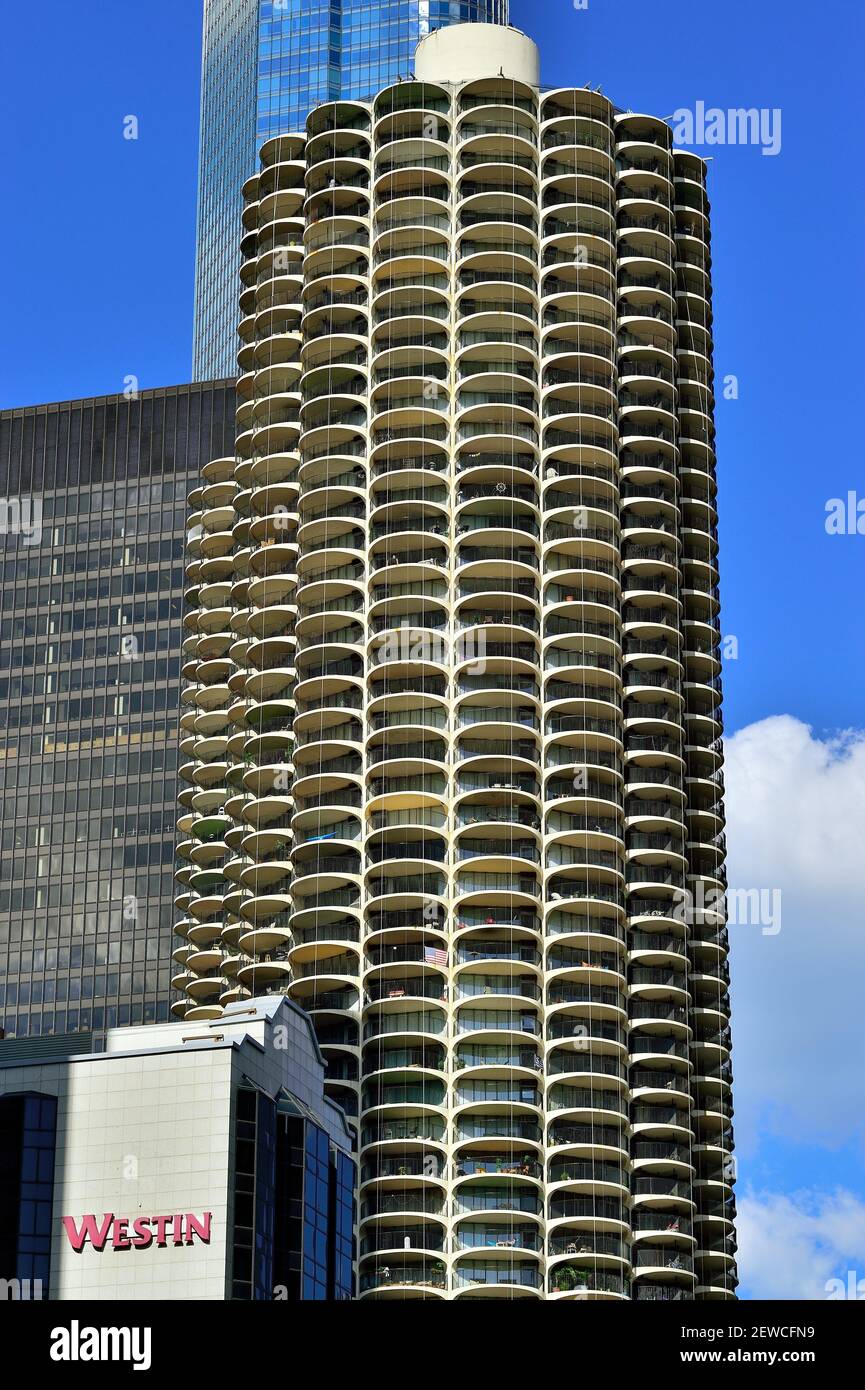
(265, 65)
(92, 532)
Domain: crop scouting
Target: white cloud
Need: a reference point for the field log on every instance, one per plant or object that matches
(790, 1247)
(795, 822)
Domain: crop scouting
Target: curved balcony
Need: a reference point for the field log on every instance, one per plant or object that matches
(451, 713)
(402, 1278)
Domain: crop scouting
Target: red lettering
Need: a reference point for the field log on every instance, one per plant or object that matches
(143, 1236)
(194, 1228)
(119, 1236)
(183, 1228)
(97, 1235)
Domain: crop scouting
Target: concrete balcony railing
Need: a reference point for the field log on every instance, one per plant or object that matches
(469, 871)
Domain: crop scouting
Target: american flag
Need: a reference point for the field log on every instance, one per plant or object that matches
(435, 955)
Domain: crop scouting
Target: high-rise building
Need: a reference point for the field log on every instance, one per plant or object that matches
(265, 65)
(456, 695)
(92, 528)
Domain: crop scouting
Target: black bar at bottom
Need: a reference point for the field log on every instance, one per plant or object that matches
(66, 1338)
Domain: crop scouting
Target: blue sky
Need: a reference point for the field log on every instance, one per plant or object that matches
(98, 255)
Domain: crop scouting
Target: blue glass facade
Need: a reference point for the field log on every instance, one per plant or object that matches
(293, 1205)
(315, 50)
(266, 63)
(28, 1125)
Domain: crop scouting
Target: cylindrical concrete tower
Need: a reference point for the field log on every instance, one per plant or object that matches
(453, 726)
(467, 52)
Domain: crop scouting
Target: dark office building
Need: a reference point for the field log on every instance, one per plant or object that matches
(92, 519)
